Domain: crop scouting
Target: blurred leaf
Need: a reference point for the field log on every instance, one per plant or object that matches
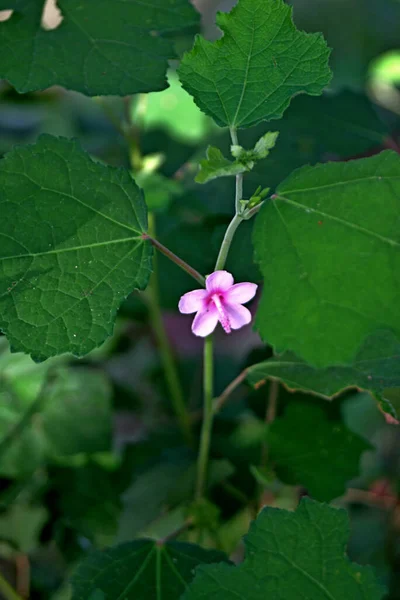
(329, 233)
(77, 417)
(310, 450)
(142, 569)
(159, 190)
(71, 249)
(376, 367)
(372, 28)
(87, 500)
(251, 73)
(216, 165)
(291, 555)
(174, 111)
(119, 49)
(21, 525)
(41, 420)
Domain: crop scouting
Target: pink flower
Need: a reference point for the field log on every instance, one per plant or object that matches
(220, 301)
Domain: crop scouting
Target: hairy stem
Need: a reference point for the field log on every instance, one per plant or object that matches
(169, 366)
(227, 241)
(174, 258)
(206, 430)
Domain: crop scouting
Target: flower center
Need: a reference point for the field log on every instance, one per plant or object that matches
(223, 316)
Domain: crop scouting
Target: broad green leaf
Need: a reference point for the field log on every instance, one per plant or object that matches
(216, 165)
(141, 570)
(328, 246)
(252, 72)
(99, 48)
(291, 555)
(376, 367)
(308, 449)
(70, 247)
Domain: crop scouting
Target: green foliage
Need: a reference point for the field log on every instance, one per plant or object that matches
(376, 367)
(262, 61)
(329, 233)
(64, 413)
(311, 450)
(141, 569)
(71, 248)
(118, 49)
(216, 165)
(291, 555)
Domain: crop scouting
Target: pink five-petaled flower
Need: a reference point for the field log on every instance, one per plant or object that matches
(220, 301)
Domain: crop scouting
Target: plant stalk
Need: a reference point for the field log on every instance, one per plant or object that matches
(227, 241)
(169, 366)
(208, 417)
(175, 259)
(7, 591)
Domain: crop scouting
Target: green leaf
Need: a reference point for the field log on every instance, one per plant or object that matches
(375, 368)
(311, 450)
(291, 555)
(265, 144)
(117, 48)
(328, 246)
(141, 570)
(251, 74)
(70, 247)
(216, 165)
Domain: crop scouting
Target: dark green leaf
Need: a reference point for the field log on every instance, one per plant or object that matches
(141, 570)
(310, 450)
(71, 247)
(99, 48)
(251, 74)
(376, 367)
(328, 246)
(291, 555)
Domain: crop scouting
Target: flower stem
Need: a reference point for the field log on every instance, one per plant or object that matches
(208, 417)
(7, 591)
(169, 366)
(227, 241)
(174, 258)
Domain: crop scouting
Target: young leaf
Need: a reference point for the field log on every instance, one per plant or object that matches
(291, 555)
(117, 48)
(328, 246)
(70, 247)
(376, 367)
(141, 570)
(216, 165)
(251, 74)
(310, 450)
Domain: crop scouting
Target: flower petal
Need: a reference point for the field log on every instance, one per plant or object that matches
(192, 301)
(219, 281)
(205, 322)
(238, 315)
(240, 293)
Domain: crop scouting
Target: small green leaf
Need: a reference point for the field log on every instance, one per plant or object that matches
(291, 555)
(117, 48)
(70, 247)
(328, 246)
(265, 144)
(376, 367)
(141, 570)
(310, 450)
(216, 165)
(262, 60)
